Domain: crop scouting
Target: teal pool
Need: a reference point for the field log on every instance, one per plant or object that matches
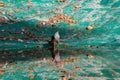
(76, 64)
(89, 47)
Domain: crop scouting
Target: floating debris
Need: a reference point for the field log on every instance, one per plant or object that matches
(90, 27)
(20, 40)
(47, 4)
(38, 65)
(20, 51)
(72, 59)
(3, 19)
(29, 4)
(110, 21)
(38, 12)
(2, 72)
(57, 18)
(31, 76)
(71, 22)
(91, 56)
(77, 68)
(64, 18)
(16, 10)
(61, 0)
(92, 46)
(63, 78)
(61, 17)
(74, 74)
(76, 6)
(42, 23)
(29, 1)
(59, 10)
(113, 8)
(2, 4)
(4, 38)
(3, 12)
(64, 72)
(2, 30)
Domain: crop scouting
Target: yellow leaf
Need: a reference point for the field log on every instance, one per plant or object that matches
(64, 78)
(38, 12)
(90, 56)
(31, 76)
(16, 10)
(38, 65)
(2, 72)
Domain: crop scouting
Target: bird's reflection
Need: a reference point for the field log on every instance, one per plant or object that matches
(56, 55)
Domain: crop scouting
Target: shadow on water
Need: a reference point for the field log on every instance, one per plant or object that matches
(33, 54)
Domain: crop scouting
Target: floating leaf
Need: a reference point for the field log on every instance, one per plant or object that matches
(2, 72)
(61, 0)
(90, 56)
(31, 76)
(38, 65)
(16, 10)
(74, 74)
(63, 78)
(38, 12)
(90, 27)
(76, 6)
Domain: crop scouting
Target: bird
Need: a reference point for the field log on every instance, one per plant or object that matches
(57, 36)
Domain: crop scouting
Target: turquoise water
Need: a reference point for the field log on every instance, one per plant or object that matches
(84, 54)
(75, 64)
